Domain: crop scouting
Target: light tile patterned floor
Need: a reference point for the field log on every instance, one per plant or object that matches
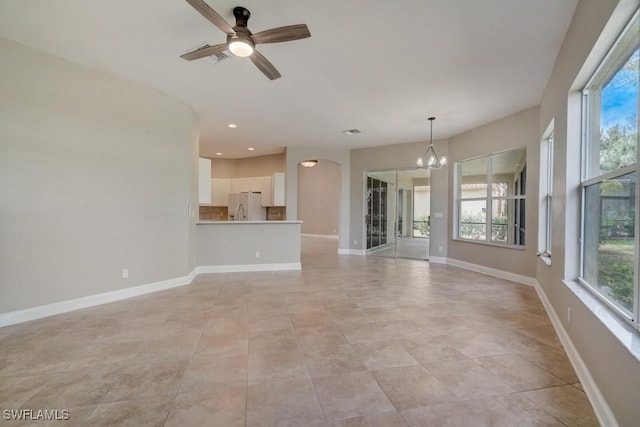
(349, 341)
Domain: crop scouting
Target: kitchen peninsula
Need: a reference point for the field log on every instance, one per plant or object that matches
(243, 224)
(234, 246)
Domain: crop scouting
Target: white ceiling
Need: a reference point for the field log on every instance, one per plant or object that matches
(377, 65)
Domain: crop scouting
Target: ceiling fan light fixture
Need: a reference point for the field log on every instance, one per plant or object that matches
(241, 41)
(309, 163)
(240, 47)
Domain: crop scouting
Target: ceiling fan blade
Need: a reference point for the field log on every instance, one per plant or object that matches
(206, 11)
(264, 65)
(203, 51)
(282, 34)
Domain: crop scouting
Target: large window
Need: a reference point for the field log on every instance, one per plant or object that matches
(490, 199)
(610, 170)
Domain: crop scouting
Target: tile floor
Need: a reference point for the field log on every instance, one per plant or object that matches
(349, 341)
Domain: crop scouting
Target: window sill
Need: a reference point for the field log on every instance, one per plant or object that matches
(626, 334)
(495, 245)
(545, 257)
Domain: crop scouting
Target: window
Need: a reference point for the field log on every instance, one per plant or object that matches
(609, 265)
(546, 197)
(490, 202)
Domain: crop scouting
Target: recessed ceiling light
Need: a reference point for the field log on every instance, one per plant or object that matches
(251, 148)
(218, 154)
(233, 125)
(351, 131)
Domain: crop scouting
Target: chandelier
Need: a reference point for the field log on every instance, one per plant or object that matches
(433, 161)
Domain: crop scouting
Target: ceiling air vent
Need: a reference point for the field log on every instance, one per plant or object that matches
(351, 131)
(217, 57)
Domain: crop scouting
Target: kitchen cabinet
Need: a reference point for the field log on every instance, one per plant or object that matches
(265, 184)
(238, 185)
(204, 181)
(220, 189)
(242, 185)
(271, 188)
(278, 189)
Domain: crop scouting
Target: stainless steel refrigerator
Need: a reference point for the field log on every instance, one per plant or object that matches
(246, 207)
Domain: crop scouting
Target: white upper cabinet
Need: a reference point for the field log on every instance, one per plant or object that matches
(278, 189)
(265, 187)
(241, 185)
(221, 187)
(204, 181)
(271, 188)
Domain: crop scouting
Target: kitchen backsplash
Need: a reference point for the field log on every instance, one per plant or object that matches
(276, 213)
(221, 213)
(213, 213)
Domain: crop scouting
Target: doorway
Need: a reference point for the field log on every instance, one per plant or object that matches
(397, 218)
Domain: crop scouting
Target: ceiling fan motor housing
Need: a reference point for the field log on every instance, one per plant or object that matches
(242, 16)
(242, 33)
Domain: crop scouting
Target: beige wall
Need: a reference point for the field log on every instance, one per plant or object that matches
(96, 175)
(593, 29)
(248, 167)
(319, 198)
(515, 131)
(294, 156)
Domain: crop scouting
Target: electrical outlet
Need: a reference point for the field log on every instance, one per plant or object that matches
(569, 314)
(257, 254)
(439, 248)
(355, 242)
(125, 273)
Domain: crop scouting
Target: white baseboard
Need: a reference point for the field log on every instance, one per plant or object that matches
(351, 251)
(39, 312)
(600, 406)
(20, 316)
(321, 236)
(518, 278)
(242, 268)
(437, 260)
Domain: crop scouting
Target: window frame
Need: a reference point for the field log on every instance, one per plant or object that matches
(545, 226)
(489, 198)
(611, 64)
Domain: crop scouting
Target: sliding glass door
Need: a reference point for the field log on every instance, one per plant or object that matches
(397, 217)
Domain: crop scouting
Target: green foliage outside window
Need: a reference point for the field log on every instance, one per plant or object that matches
(615, 271)
(422, 225)
(473, 226)
(618, 147)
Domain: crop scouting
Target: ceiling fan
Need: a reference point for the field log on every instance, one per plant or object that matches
(240, 41)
